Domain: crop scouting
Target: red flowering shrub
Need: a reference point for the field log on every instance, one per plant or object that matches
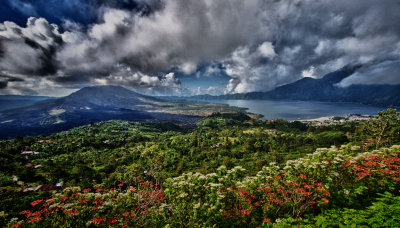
(378, 172)
(381, 166)
(36, 202)
(98, 220)
(277, 197)
(76, 208)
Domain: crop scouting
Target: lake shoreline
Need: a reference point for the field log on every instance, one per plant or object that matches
(300, 110)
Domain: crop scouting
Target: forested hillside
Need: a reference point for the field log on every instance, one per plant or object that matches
(230, 170)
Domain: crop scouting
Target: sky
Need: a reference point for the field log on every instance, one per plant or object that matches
(191, 47)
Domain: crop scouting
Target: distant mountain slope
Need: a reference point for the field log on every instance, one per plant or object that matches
(15, 101)
(115, 96)
(312, 89)
(325, 89)
(87, 105)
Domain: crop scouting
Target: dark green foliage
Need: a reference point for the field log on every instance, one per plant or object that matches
(384, 211)
(111, 152)
(331, 138)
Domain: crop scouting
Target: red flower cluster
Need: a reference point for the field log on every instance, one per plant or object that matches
(17, 225)
(36, 202)
(111, 221)
(34, 216)
(294, 197)
(98, 201)
(379, 166)
(146, 195)
(278, 196)
(72, 212)
(99, 220)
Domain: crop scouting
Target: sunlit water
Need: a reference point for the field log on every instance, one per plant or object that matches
(298, 110)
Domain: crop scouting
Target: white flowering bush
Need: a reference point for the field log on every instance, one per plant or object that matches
(194, 197)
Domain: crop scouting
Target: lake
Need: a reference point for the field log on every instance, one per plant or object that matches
(298, 110)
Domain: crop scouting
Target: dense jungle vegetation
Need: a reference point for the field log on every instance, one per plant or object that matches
(231, 170)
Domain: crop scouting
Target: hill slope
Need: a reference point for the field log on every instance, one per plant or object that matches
(87, 105)
(15, 101)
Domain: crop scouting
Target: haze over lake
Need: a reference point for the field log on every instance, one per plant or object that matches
(297, 110)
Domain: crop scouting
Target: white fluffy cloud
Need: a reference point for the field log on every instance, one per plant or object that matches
(29, 50)
(181, 35)
(266, 50)
(211, 90)
(165, 84)
(260, 43)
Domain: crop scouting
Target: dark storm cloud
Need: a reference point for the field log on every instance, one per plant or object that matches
(387, 72)
(81, 11)
(316, 37)
(3, 84)
(5, 79)
(260, 44)
(10, 78)
(30, 50)
(144, 6)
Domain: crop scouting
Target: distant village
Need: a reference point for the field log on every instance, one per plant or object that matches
(336, 119)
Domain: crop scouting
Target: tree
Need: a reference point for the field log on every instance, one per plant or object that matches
(379, 125)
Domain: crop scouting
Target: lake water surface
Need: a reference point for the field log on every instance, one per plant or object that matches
(298, 110)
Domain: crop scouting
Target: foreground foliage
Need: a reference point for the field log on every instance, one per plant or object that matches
(302, 188)
(230, 171)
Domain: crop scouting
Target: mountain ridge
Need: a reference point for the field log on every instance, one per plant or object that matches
(324, 89)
